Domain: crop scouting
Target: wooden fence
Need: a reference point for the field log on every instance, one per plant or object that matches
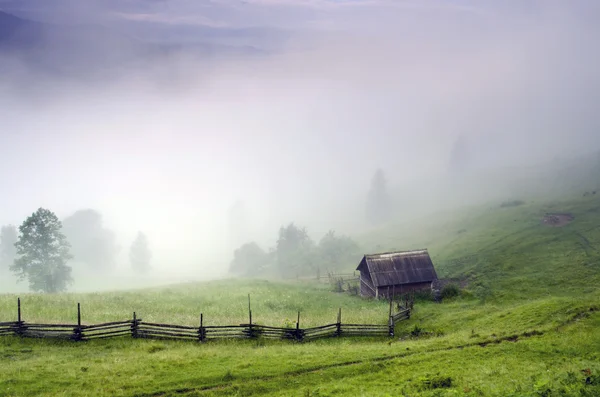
(136, 328)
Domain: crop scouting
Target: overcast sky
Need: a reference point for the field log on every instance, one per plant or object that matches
(296, 135)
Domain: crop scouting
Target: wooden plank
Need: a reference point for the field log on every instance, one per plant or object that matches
(107, 327)
(158, 329)
(333, 332)
(142, 333)
(240, 335)
(126, 322)
(236, 329)
(321, 327)
(256, 326)
(90, 334)
(141, 324)
(222, 326)
(321, 332)
(72, 326)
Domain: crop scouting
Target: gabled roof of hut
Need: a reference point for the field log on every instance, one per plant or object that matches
(397, 268)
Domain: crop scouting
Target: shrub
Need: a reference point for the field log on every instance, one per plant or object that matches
(450, 291)
(437, 382)
(482, 292)
(353, 289)
(338, 285)
(424, 295)
(416, 331)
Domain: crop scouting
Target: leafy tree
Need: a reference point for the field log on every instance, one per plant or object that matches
(91, 243)
(8, 251)
(378, 200)
(43, 253)
(337, 252)
(139, 254)
(249, 259)
(295, 251)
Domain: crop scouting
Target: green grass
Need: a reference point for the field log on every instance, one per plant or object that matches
(526, 325)
(221, 302)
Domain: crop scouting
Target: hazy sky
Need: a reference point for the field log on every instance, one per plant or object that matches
(296, 135)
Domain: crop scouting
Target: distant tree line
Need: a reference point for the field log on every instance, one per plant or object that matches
(43, 246)
(296, 254)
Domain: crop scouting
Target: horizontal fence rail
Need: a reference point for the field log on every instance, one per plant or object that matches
(137, 328)
(402, 315)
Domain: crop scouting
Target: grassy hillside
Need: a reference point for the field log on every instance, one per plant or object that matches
(507, 251)
(526, 325)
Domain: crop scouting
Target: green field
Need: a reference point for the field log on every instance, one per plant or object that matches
(526, 323)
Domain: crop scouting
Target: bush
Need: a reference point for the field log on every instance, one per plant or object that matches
(450, 291)
(353, 289)
(416, 331)
(424, 295)
(482, 292)
(437, 382)
(338, 285)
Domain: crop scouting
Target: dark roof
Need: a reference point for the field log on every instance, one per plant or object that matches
(396, 268)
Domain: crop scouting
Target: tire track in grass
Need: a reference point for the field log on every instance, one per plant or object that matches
(580, 314)
(304, 371)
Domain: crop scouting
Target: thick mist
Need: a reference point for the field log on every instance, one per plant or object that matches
(168, 143)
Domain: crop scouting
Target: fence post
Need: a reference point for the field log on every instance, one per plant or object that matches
(134, 326)
(299, 336)
(339, 323)
(20, 329)
(201, 332)
(250, 330)
(77, 332)
(391, 321)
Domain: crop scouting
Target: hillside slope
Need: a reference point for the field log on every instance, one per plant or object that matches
(525, 326)
(508, 252)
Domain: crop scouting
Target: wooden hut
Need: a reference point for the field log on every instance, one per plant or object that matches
(395, 273)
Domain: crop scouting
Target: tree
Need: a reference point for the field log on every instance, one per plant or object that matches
(337, 252)
(8, 251)
(139, 254)
(295, 251)
(90, 242)
(378, 200)
(249, 259)
(43, 253)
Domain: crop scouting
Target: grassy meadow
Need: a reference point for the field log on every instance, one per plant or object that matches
(525, 324)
